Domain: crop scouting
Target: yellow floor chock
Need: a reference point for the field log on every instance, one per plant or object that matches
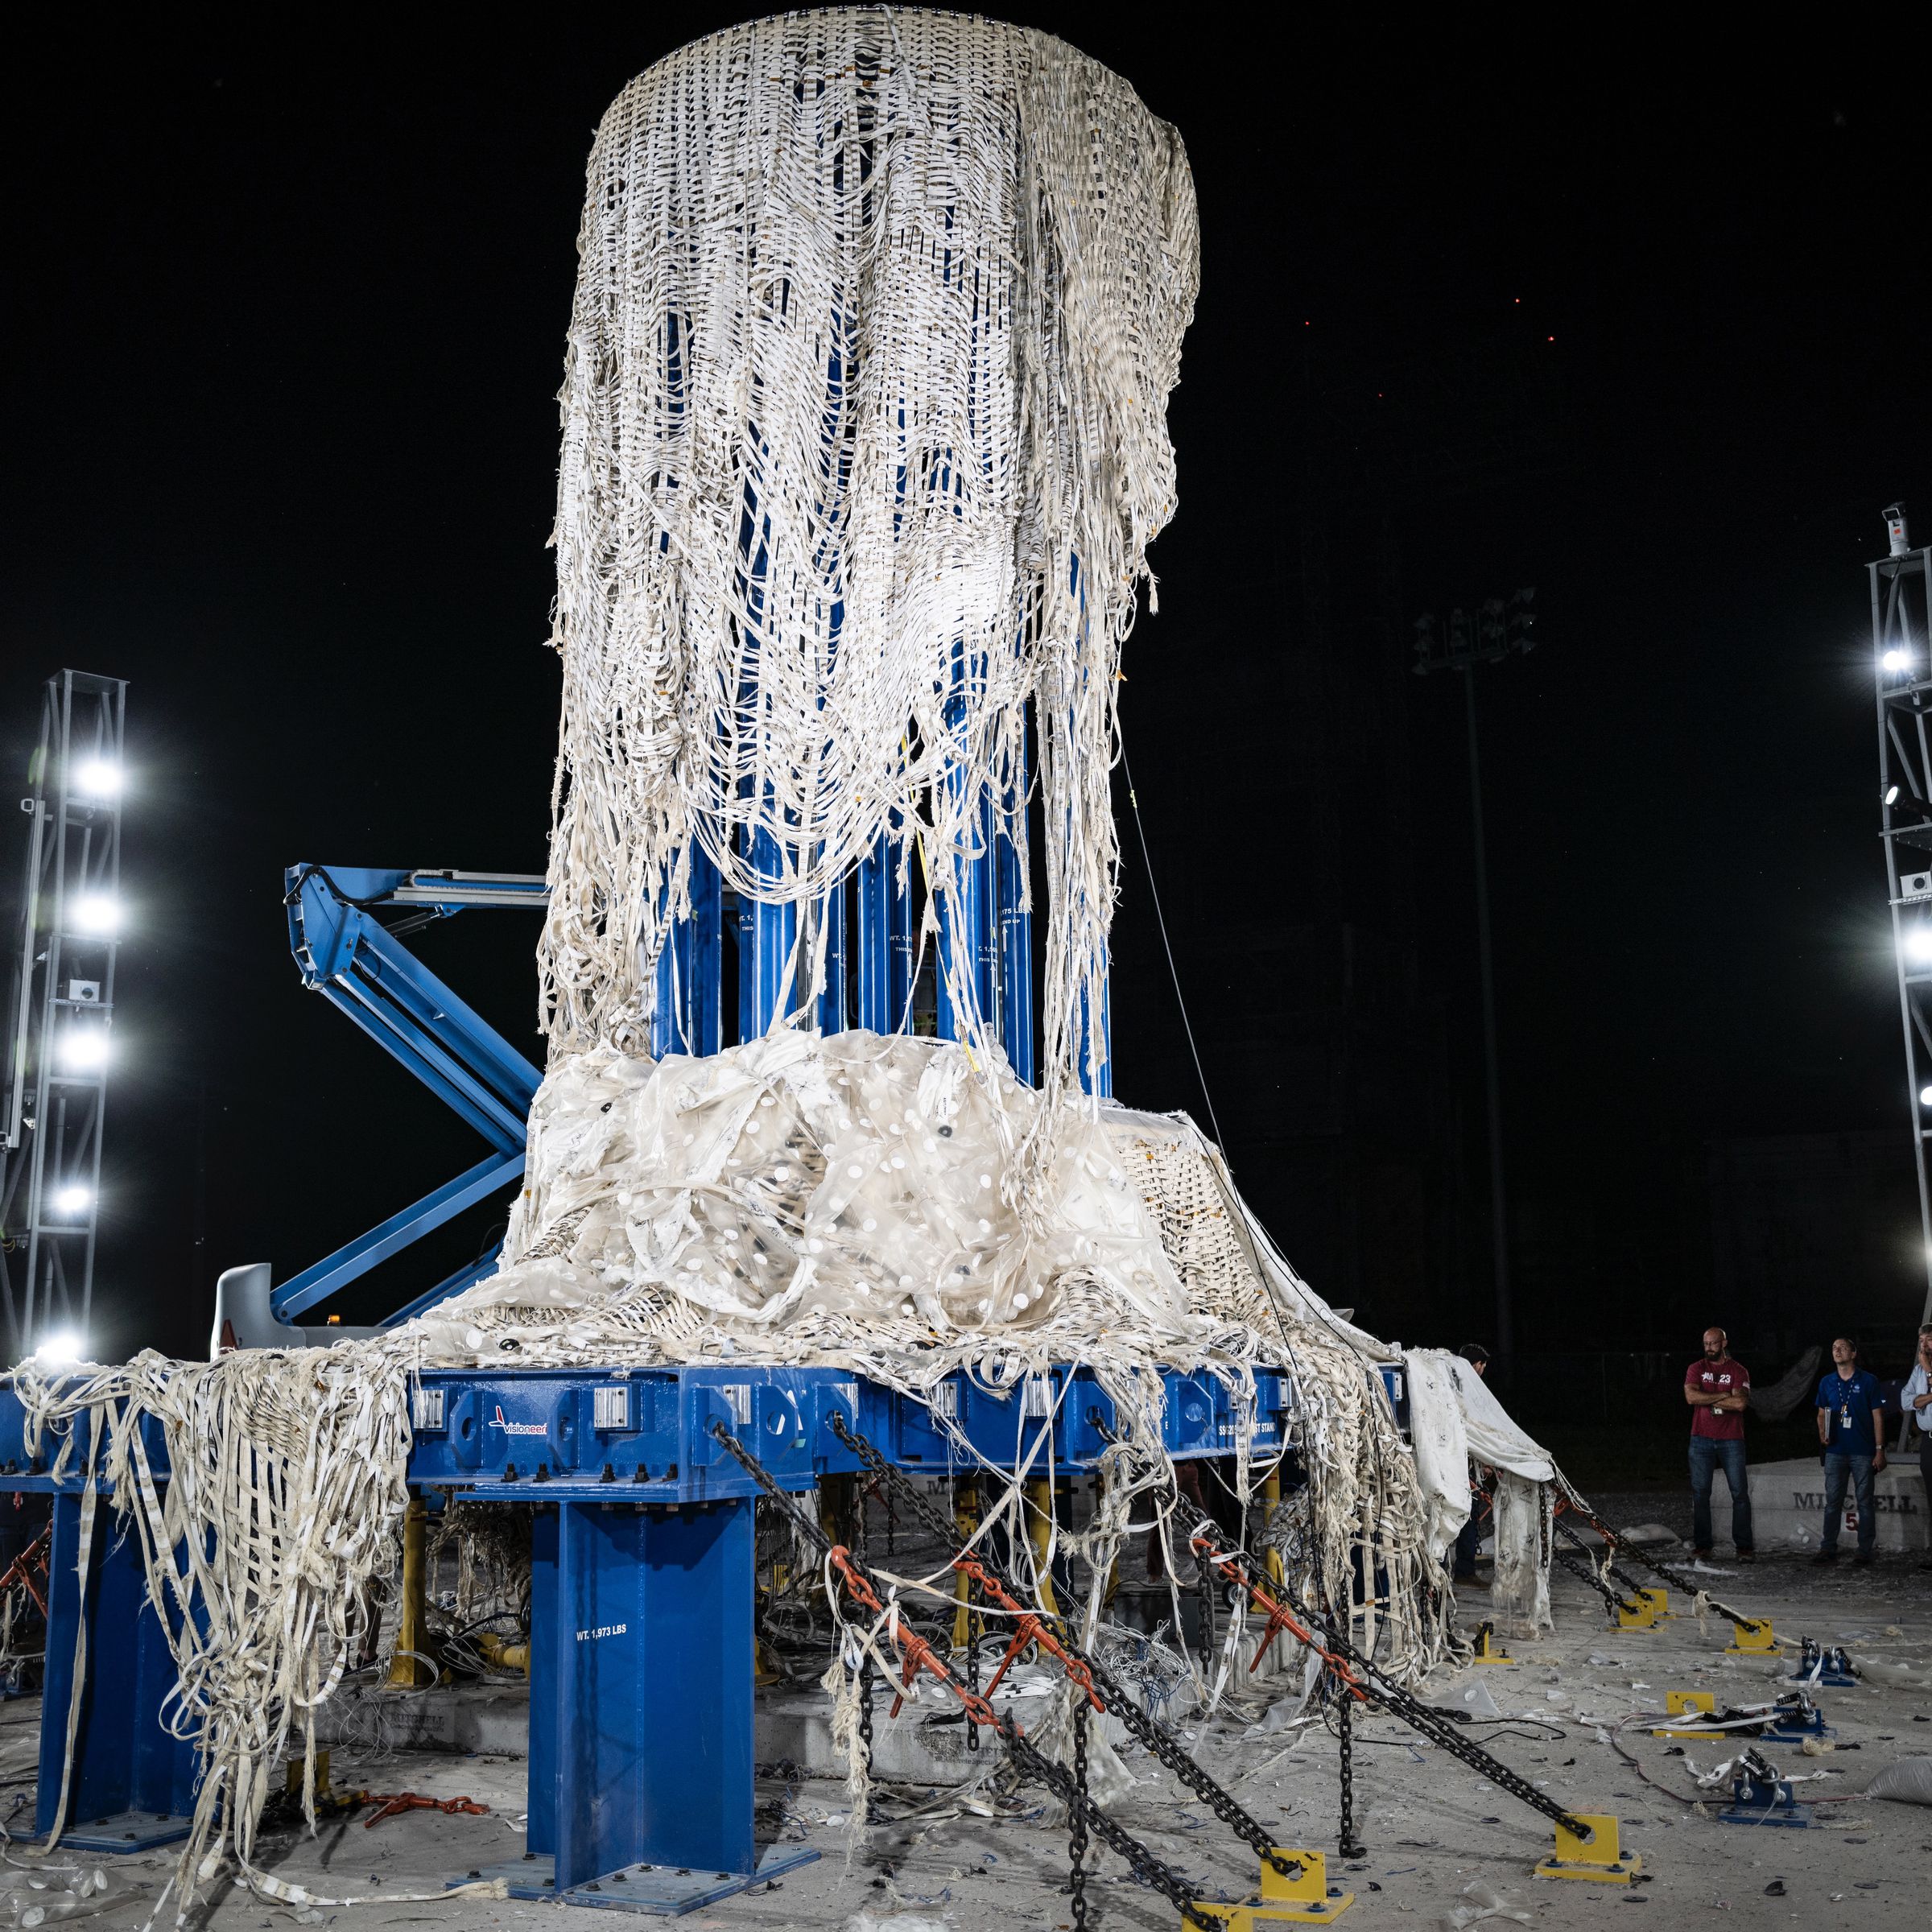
(1643, 1614)
(1304, 1900)
(1486, 1652)
(1601, 1860)
(1752, 1637)
(1683, 1703)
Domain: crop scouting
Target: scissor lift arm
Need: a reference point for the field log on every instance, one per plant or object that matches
(349, 955)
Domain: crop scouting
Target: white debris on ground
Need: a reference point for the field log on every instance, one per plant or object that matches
(1441, 1841)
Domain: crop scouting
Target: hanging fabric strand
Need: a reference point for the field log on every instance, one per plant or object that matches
(864, 441)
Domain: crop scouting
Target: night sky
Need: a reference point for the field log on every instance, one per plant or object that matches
(285, 322)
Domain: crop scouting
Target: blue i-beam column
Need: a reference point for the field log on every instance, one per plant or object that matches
(1014, 934)
(771, 931)
(966, 913)
(832, 1001)
(962, 946)
(688, 1019)
(1101, 1085)
(876, 887)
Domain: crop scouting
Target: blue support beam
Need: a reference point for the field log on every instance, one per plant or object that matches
(133, 1785)
(873, 947)
(1016, 971)
(318, 1282)
(832, 1016)
(1099, 1083)
(640, 1754)
(689, 1014)
(348, 955)
(769, 934)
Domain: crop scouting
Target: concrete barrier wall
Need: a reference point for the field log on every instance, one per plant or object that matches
(1788, 1507)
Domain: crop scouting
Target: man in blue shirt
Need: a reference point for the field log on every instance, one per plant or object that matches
(1853, 1440)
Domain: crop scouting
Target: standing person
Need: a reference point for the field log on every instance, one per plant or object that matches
(1918, 1402)
(1718, 1388)
(1853, 1439)
(1471, 1534)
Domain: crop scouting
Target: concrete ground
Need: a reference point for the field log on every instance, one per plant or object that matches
(1440, 1840)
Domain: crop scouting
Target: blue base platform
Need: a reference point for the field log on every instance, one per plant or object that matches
(664, 1891)
(642, 1594)
(128, 1831)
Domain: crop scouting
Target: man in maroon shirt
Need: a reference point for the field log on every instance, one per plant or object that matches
(1718, 1389)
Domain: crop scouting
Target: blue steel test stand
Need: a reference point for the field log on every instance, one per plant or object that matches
(642, 1644)
(640, 1788)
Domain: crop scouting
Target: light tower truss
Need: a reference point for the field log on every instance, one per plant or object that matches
(1901, 638)
(60, 1013)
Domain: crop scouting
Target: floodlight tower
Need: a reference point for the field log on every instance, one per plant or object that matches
(60, 1014)
(1500, 627)
(1901, 636)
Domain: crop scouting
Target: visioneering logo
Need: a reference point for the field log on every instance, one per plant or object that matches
(509, 1428)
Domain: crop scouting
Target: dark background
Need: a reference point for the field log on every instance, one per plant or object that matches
(285, 321)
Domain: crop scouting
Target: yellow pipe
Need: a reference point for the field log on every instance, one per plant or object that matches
(1271, 1498)
(505, 1653)
(965, 1521)
(407, 1671)
(1039, 1528)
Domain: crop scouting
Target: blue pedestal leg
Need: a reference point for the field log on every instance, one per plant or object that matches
(641, 1717)
(133, 1785)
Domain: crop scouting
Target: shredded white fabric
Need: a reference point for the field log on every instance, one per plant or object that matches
(702, 1211)
(864, 444)
(864, 440)
(851, 1202)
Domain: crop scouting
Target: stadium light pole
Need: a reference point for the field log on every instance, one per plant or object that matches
(1500, 627)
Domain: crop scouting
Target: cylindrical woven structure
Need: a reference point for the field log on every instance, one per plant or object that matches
(864, 440)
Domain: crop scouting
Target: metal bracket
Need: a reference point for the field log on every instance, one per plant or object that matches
(1599, 1859)
(1307, 1899)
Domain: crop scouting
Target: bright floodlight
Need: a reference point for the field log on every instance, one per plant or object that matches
(85, 1048)
(97, 778)
(61, 1349)
(72, 1199)
(1891, 795)
(1895, 660)
(1925, 1097)
(96, 912)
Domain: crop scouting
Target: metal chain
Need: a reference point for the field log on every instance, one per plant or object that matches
(1587, 1573)
(976, 1628)
(1676, 1578)
(1076, 1830)
(866, 1676)
(1438, 1728)
(1346, 1842)
(1623, 1576)
(1028, 1760)
(1117, 1700)
(1206, 1577)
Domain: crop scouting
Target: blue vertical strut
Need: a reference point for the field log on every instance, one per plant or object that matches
(1015, 934)
(688, 1016)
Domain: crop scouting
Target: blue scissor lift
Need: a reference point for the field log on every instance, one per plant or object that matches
(642, 1652)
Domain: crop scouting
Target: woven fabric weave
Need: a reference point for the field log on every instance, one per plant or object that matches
(864, 440)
